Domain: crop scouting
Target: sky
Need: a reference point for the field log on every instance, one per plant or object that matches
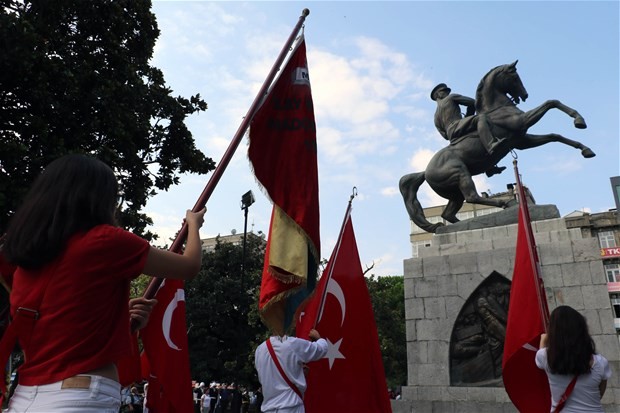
(372, 65)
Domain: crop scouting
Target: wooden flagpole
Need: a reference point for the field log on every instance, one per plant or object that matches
(531, 244)
(347, 215)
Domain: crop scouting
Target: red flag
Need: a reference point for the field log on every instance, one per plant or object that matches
(165, 346)
(283, 155)
(526, 385)
(350, 379)
(129, 368)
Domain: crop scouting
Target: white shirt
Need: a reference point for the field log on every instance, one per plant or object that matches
(292, 352)
(586, 396)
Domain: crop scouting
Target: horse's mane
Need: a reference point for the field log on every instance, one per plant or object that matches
(488, 78)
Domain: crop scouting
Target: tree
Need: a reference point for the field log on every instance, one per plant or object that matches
(75, 77)
(387, 296)
(222, 313)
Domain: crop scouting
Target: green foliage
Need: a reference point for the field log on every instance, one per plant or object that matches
(75, 77)
(138, 286)
(388, 302)
(222, 313)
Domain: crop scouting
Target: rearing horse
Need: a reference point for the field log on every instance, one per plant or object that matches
(449, 172)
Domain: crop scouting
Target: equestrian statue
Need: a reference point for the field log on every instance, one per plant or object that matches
(492, 127)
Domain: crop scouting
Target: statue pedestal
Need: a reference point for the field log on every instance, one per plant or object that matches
(443, 291)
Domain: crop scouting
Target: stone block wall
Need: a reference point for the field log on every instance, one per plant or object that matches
(441, 279)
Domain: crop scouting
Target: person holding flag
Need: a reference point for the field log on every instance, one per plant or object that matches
(280, 362)
(71, 287)
(577, 374)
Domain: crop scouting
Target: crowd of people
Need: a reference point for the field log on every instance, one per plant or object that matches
(226, 397)
(133, 399)
(212, 398)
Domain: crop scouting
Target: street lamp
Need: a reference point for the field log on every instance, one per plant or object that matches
(247, 199)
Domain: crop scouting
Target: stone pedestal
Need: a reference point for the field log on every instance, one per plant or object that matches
(443, 278)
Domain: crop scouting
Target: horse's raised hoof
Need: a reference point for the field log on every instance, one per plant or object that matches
(587, 153)
(580, 123)
(433, 228)
(494, 170)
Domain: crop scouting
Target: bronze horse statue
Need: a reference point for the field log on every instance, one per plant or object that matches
(449, 172)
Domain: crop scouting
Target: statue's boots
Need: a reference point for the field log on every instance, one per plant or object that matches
(494, 170)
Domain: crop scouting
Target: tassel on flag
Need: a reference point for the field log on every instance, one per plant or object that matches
(528, 315)
(284, 158)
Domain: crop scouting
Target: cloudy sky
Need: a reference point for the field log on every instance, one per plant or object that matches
(372, 66)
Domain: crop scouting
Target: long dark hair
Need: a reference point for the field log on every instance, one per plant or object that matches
(569, 345)
(73, 194)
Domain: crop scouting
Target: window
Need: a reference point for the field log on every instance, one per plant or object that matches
(613, 272)
(433, 220)
(487, 211)
(416, 229)
(615, 302)
(465, 215)
(417, 244)
(607, 239)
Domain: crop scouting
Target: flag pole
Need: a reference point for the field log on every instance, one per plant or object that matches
(538, 281)
(347, 214)
(219, 170)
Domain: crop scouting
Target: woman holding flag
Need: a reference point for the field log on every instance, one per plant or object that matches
(577, 375)
(71, 287)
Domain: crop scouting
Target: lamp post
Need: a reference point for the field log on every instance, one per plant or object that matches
(247, 199)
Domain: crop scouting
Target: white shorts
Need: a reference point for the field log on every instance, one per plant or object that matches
(79, 394)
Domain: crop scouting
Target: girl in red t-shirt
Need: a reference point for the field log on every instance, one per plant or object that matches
(74, 265)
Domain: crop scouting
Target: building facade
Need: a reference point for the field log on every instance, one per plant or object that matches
(605, 226)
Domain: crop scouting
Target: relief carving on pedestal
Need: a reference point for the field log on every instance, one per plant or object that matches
(477, 340)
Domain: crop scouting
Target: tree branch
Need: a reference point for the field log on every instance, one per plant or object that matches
(369, 268)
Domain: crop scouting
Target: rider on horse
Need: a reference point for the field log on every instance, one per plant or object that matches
(449, 172)
(452, 126)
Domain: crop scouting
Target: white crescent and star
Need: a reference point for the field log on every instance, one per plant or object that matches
(167, 318)
(333, 352)
(334, 289)
(333, 349)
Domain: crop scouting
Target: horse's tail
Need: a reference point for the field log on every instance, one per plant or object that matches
(409, 185)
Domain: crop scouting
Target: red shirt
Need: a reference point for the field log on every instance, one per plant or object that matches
(84, 315)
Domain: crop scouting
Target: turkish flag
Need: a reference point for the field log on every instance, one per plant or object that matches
(165, 347)
(350, 378)
(526, 385)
